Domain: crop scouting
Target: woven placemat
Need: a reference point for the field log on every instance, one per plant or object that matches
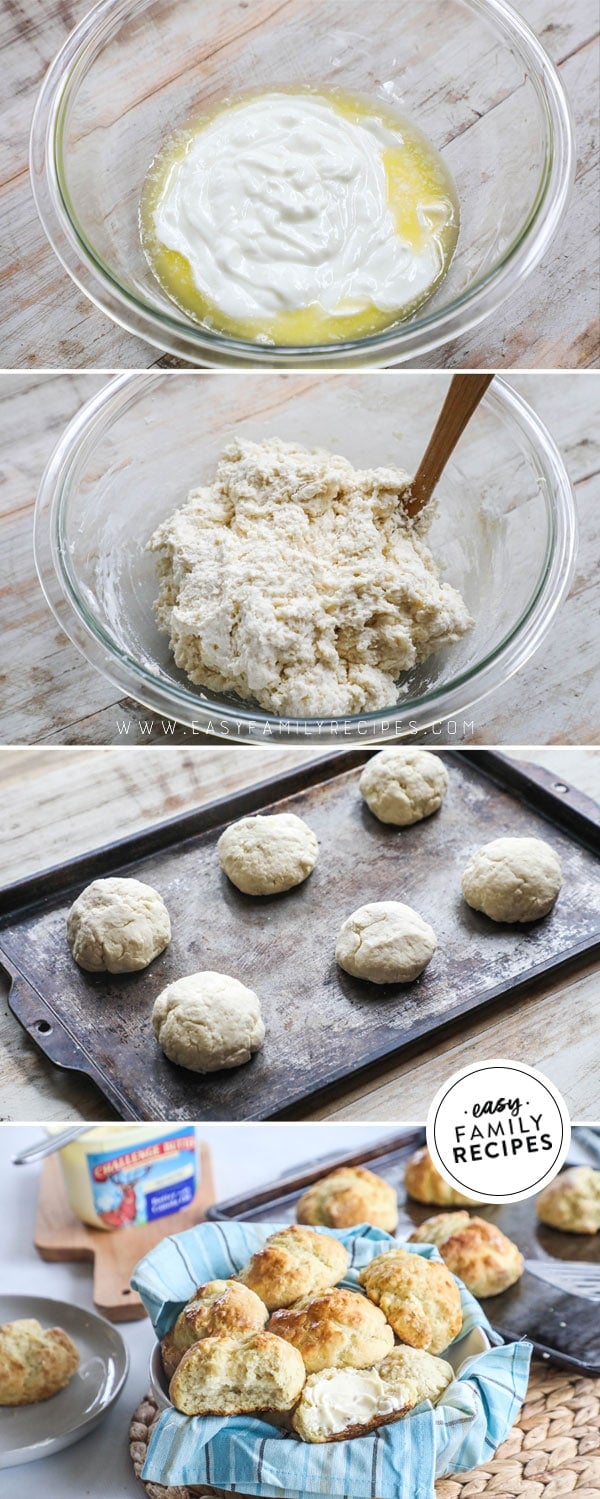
(553, 1450)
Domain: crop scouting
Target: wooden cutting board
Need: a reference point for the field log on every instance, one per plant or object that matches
(59, 1236)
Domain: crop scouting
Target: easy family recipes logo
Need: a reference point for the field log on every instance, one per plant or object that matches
(500, 1126)
(498, 1131)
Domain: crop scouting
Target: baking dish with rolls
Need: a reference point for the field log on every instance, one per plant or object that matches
(294, 1360)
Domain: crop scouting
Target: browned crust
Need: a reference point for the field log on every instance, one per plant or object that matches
(350, 1432)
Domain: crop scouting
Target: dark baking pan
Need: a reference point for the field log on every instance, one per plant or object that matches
(322, 1026)
(562, 1327)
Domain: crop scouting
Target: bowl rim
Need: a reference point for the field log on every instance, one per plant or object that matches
(200, 712)
(174, 334)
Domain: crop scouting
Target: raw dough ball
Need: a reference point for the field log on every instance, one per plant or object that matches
(207, 1021)
(385, 942)
(404, 785)
(513, 879)
(265, 855)
(117, 926)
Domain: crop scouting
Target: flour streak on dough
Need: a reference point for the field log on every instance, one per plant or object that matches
(295, 582)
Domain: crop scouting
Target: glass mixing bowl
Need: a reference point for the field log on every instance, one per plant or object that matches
(469, 72)
(504, 528)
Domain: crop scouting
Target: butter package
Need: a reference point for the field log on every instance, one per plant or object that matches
(124, 1175)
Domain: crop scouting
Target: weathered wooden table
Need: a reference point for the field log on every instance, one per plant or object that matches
(57, 804)
(49, 694)
(47, 322)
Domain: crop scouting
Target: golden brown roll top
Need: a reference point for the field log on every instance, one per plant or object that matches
(478, 1252)
(572, 1201)
(424, 1183)
(348, 1196)
(419, 1297)
(335, 1329)
(294, 1262)
(35, 1363)
(218, 1306)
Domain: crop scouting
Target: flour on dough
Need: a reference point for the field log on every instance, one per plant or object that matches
(207, 1021)
(513, 879)
(402, 786)
(385, 942)
(267, 855)
(295, 581)
(117, 926)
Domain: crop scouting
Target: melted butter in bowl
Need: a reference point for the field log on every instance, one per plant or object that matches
(298, 217)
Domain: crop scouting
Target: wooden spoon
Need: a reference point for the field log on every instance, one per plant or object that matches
(461, 401)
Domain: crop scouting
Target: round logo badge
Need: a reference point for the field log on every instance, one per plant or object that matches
(498, 1131)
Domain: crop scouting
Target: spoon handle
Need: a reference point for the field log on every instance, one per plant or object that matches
(47, 1146)
(463, 397)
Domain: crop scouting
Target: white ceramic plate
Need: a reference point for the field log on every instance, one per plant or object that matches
(28, 1432)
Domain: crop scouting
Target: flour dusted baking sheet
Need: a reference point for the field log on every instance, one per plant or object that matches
(322, 1025)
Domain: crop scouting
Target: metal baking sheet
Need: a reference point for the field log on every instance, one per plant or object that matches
(322, 1025)
(563, 1328)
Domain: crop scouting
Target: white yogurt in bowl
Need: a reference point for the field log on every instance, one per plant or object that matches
(299, 217)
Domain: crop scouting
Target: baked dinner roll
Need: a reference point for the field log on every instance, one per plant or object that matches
(572, 1201)
(349, 1196)
(339, 1404)
(419, 1297)
(218, 1306)
(336, 1329)
(482, 1257)
(424, 1183)
(293, 1263)
(225, 1375)
(35, 1362)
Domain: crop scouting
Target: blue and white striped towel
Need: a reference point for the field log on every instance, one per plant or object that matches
(247, 1455)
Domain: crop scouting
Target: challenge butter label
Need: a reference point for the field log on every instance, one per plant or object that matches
(156, 1178)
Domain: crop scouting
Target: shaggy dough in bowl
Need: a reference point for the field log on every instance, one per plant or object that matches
(403, 786)
(207, 1021)
(117, 926)
(385, 942)
(513, 879)
(266, 855)
(296, 581)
